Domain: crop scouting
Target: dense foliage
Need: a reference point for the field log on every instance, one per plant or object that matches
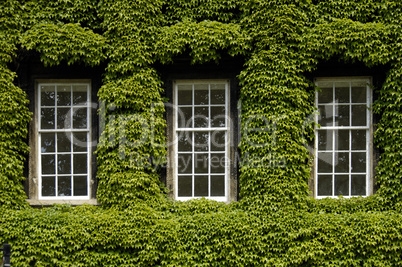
(275, 222)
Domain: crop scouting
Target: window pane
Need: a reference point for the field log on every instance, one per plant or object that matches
(48, 186)
(359, 95)
(358, 185)
(218, 162)
(47, 96)
(217, 185)
(201, 117)
(80, 118)
(342, 162)
(185, 163)
(218, 141)
(201, 163)
(324, 140)
(341, 185)
(201, 186)
(63, 95)
(80, 163)
(80, 186)
(359, 116)
(324, 162)
(64, 186)
(201, 140)
(184, 94)
(64, 163)
(79, 142)
(185, 186)
(342, 93)
(358, 162)
(359, 140)
(218, 116)
(342, 115)
(63, 118)
(47, 120)
(48, 142)
(80, 95)
(342, 140)
(63, 142)
(324, 186)
(325, 117)
(48, 164)
(217, 94)
(201, 94)
(325, 95)
(184, 117)
(184, 141)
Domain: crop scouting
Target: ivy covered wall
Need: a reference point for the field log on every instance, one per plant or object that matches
(275, 222)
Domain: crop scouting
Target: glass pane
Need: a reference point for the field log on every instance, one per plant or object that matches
(342, 115)
(47, 96)
(79, 95)
(218, 141)
(63, 142)
(359, 140)
(64, 163)
(184, 95)
(201, 117)
(201, 162)
(218, 162)
(201, 140)
(184, 141)
(48, 186)
(201, 186)
(184, 163)
(342, 94)
(185, 186)
(324, 185)
(63, 118)
(80, 186)
(341, 185)
(80, 118)
(80, 142)
(80, 163)
(48, 142)
(217, 186)
(324, 140)
(342, 140)
(359, 115)
(201, 94)
(325, 117)
(63, 95)
(359, 95)
(48, 164)
(64, 186)
(184, 117)
(325, 95)
(218, 116)
(324, 162)
(358, 161)
(342, 162)
(358, 185)
(218, 94)
(47, 118)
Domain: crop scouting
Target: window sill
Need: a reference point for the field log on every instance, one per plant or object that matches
(41, 202)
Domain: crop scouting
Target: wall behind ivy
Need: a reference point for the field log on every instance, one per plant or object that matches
(275, 222)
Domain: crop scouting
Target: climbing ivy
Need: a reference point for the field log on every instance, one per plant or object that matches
(275, 222)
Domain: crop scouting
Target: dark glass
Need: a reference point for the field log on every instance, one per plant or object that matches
(325, 95)
(80, 163)
(184, 117)
(80, 186)
(184, 95)
(201, 117)
(48, 96)
(218, 141)
(184, 141)
(217, 162)
(218, 116)
(185, 186)
(326, 115)
(217, 186)
(342, 115)
(80, 95)
(48, 142)
(358, 161)
(218, 94)
(342, 95)
(358, 139)
(80, 118)
(358, 185)
(324, 162)
(342, 162)
(63, 118)
(48, 164)
(201, 162)
(341, 185)
(64, 163)
(80, 142)
(48, 186)
(359, 116)
(201, 140)
(63, 95)
(64, 186)
(47, 119)
(359, 95)
(324, 186)
(184, 163)
(63, 142)
(342, 140)
(201, 94)
(201, 186)
(324, 139)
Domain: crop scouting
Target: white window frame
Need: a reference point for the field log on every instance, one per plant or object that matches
(176, 130)
(368, 173)
(87, 130)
